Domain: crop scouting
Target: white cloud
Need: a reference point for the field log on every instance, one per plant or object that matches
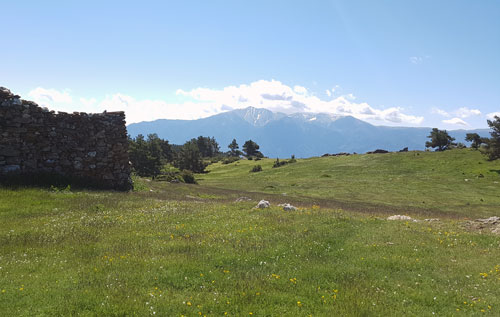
(416, 59)
(492, 115)
(148, 110)
(300, 90)
(457, 121)
(331, 92)
(45, 97)
(87, 103)
(276, 96)
(465, 112)
(440, 112)
(204, 102)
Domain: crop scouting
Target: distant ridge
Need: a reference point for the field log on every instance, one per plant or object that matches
(301, 134)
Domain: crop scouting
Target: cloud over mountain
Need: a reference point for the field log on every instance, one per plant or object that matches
(204, 102)
(276, 96)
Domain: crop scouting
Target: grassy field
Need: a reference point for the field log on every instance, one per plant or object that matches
(178, 249)
(458, 183)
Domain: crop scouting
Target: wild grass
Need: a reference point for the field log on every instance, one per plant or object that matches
(179, 249)
(459, 183)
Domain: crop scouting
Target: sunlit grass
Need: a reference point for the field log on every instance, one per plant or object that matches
(459, 183)
(107, 253)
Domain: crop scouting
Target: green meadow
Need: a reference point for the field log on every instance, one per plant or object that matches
(192, 250)
(457, 183)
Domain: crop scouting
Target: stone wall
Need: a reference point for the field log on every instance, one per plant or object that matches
(35, 141)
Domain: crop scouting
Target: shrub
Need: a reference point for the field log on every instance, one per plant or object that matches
(188, 177)
(256, 168)
(214, 160)
(230, 160)
(170, 176)
(279, 163)
(66, 189)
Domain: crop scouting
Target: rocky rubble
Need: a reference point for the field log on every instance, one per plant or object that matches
(35, 140)
(400, 217)
(491, 224)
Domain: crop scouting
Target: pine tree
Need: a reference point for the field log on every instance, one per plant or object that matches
(190, 158)
(440, 139)
(233, 146)
(251, 149)
(493, 144)
(475, 139)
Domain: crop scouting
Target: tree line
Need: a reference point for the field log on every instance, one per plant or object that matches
(150, 155)
(441, 140)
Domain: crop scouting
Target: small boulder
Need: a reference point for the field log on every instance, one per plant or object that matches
(288, 207)
(400, 217)
(263, 204)
(240, 199)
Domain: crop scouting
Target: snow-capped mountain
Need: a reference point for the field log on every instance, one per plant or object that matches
(301, 134)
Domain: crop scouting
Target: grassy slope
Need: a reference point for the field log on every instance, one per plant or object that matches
(416, 181)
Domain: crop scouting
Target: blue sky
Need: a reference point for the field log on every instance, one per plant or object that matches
(409, 63)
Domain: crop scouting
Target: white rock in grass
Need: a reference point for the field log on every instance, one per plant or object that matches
(496, 230)
(400, 217)
(240, 199)
(263, 204)
(288, 207)
(490, 220)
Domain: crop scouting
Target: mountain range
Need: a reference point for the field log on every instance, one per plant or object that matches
(300, 134)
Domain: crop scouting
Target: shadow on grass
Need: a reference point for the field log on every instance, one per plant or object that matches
(53, 181)
(496, 171)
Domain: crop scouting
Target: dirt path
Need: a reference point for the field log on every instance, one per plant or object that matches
(202, 193)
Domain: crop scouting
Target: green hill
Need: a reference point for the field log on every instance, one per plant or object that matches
(457, 183)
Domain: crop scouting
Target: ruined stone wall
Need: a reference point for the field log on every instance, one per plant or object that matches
(83, 146)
